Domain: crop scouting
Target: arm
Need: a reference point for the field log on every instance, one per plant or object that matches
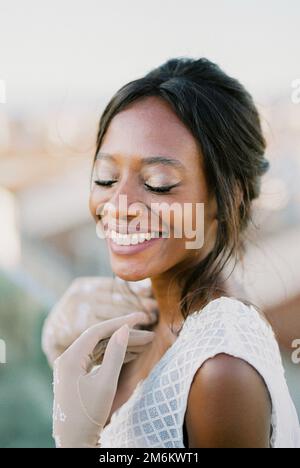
(228, 406)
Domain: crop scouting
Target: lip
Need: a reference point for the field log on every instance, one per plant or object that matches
(132, 249)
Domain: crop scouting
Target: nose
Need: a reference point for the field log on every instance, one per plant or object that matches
(124, 206)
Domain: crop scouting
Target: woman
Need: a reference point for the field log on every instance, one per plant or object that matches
(186, 134)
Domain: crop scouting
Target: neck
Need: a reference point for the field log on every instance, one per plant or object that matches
(167, 296)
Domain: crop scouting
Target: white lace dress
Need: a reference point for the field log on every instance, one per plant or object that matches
(153, 416)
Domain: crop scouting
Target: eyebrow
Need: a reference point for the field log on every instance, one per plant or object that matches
(148, 161)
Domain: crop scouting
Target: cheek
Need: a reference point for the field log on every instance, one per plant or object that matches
(94, 202)
(193, 216)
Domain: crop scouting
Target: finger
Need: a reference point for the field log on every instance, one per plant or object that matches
(140, 337)
(138, 349)
(114, 356)
(118, 300)
(97, 355)
(130, 357)
(142, 287)
(85, 344)
(137, 338)
(112, 297)
(115, 310)
(150, 305)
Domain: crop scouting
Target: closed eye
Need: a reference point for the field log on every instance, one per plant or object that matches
(105, 183)
(164, 189)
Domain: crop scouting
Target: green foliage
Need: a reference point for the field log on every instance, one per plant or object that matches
(26, 379)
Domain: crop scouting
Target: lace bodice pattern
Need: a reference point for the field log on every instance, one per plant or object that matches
(153, 416)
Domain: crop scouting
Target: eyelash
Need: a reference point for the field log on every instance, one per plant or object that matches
(108, 183)
(159, 189)
(104, 183)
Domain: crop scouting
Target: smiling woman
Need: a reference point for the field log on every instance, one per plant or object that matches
(168, 170)
(183, 135)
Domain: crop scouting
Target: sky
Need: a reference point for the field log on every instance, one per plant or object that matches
(82, 49)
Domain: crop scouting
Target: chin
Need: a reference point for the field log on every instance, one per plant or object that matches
(130, 275)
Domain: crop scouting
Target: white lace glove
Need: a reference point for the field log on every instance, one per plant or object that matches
(91, 300)
(82, 399)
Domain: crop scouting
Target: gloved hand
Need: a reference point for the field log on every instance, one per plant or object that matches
(91, 300)
(83, 399)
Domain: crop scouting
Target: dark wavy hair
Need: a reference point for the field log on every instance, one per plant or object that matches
(225, 123)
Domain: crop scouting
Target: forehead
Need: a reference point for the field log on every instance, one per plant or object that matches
(148, 127)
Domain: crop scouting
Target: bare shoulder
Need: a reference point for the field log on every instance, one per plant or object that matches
(228, 405)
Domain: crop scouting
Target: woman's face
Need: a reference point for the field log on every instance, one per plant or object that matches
(150, 129)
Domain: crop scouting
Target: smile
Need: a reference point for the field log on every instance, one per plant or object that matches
(132, 243)
(133, 239)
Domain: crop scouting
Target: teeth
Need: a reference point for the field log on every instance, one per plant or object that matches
(131, 239)
(134, 239)
(141, 238)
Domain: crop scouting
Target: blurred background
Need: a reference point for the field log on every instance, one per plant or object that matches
(60, 62)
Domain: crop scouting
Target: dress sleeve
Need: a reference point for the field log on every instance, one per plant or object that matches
(227, 325)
